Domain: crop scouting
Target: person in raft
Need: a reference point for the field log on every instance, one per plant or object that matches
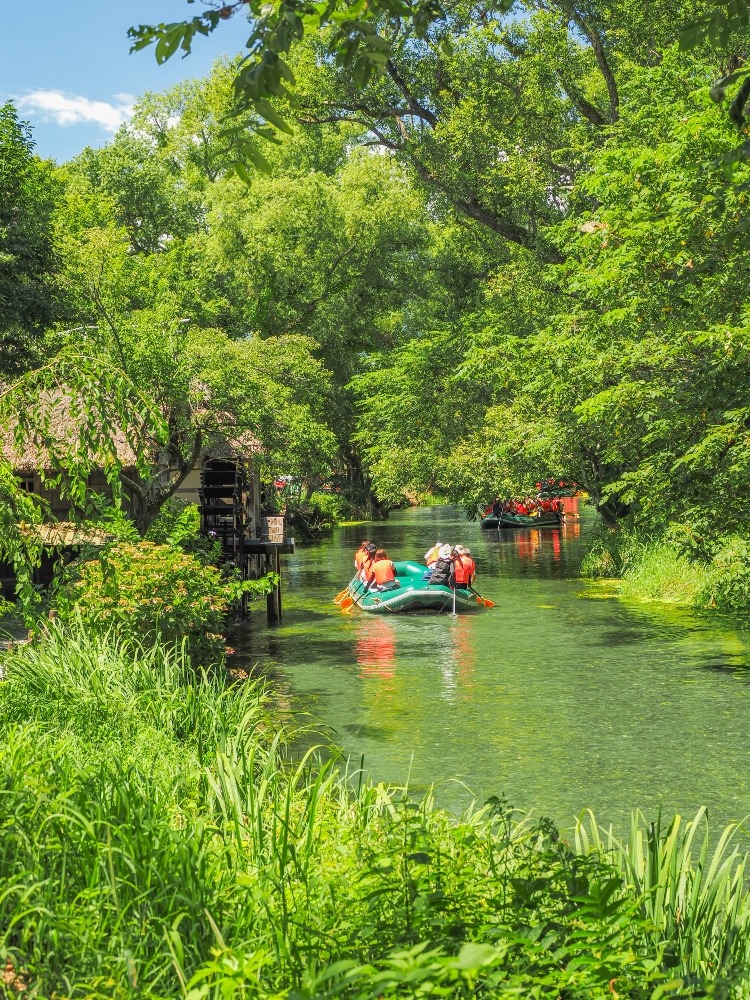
(383, 572)
(363, 560)
(361, 554)
(442, 570)
(464, 567)
(431, 556)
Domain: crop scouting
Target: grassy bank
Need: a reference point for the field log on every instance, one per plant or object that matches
(660, 569)
(156, 841)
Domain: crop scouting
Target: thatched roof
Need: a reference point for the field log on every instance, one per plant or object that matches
(62, 534)
(65, 427)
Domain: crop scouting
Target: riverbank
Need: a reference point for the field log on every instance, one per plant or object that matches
(156, 838)
(658, 569)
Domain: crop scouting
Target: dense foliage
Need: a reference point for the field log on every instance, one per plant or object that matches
(155, 840)
(148, 591)
(518, 247)
(27, 258)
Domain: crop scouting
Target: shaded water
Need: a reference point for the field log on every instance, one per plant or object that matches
(556, 698)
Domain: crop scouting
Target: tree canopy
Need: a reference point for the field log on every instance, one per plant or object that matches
(27, 260)
(513, 250)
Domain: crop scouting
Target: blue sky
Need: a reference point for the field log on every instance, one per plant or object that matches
(68, 68)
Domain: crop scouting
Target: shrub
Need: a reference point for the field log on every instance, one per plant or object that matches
(179, 523)
(144, 590)
(726, 585)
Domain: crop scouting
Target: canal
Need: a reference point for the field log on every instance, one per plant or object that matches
(559, 698)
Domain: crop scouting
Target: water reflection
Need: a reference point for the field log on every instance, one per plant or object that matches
(375, 647)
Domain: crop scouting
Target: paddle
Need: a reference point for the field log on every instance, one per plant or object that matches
(454, 602)
(340, 596)
(348, 601)
(484, 601)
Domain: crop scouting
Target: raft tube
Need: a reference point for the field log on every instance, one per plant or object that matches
(549, 520)
(414, 594)
(489, 523)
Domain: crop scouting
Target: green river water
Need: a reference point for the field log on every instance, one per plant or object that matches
(557, 698)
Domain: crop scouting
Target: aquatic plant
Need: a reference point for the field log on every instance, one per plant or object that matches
(660, 572)
(691, 891)
(649, 568)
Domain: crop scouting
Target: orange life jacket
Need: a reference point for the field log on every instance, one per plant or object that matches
(384, 571)
(463, 570)
(460, 571)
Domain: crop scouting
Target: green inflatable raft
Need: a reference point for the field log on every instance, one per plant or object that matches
(546, 520)
(549, 519)
(413, 594)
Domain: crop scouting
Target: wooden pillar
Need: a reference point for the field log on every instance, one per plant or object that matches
(273, 600)
(278, 585)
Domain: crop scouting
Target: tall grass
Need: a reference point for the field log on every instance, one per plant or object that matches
(649, 569)
(156, 840)
(691, 895)
(661, 573)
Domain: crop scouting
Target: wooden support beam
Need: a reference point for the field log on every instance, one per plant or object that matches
(256, 547)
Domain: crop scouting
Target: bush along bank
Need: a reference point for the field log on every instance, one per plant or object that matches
(670, 568)
(156, 840)
(163, 588)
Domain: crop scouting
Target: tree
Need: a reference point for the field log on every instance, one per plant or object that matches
(27, 260)
(491, 107)
(627, 371)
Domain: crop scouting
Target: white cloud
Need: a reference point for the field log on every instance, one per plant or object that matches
(70, 109)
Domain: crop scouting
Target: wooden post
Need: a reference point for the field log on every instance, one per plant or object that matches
(273, 601)
(278, 585)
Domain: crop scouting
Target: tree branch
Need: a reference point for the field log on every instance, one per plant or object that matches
(579, 102)
(597, 45)
(415, 108)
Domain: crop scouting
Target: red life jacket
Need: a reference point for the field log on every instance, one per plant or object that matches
(384, 571)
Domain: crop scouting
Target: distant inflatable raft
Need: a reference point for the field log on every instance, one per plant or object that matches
(550, 519)
(413, 594)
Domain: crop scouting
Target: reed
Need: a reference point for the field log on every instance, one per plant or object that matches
(157, 839)
(691, 894)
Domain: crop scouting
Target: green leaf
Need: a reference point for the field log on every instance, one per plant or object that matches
(267, 110)
(474, 956)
